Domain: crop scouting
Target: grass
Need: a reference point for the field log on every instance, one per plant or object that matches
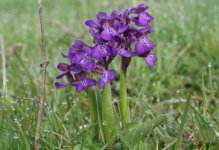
(186, 36)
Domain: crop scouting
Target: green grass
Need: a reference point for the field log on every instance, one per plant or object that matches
(186, 34)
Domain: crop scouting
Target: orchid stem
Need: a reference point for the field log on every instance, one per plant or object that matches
(93, 113)
(108, 118)
(123, 102)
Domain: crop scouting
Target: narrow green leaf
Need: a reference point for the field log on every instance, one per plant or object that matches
(99, 112)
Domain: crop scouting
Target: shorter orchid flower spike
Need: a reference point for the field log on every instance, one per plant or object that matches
(125, 34)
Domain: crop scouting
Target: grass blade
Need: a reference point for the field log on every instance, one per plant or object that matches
(183, 122)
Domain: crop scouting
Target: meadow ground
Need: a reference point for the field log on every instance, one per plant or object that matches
(186, 34)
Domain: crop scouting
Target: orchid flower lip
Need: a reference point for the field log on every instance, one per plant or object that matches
(106, 77)
(84, 84)
(151, 60)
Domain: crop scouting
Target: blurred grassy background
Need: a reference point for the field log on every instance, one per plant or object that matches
(186, 34)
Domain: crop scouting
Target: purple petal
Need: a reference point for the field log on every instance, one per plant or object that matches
(87, 49)
(144, 19)
(143, 46)
(110, 75)
(116, 24)
(108, 33)
(140, 8)
(61, 84)
(71, 52)
(96, 36)
(75, 69)
(92, 32)
(79, 87)
(89, 82)
(115, 14)
(84, 84)
(151, 60)
(87, 62)
(63, 66)
(102, 15)
(101, 51)
(102, 83)
(124, 53)
(78, 44)
(79, 57)
(123, 28)
(79, 47)
(62, 75)
(93, 24)
(106, 77)
(84, 60)
(125, 15)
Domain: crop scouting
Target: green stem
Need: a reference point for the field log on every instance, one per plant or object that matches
(108, 119)
(123, 102)
(93, 113)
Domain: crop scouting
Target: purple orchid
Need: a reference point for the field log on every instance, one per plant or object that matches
(125, 34)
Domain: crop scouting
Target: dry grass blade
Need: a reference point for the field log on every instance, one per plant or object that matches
(4, 75)
(43, 79)
(4, 88)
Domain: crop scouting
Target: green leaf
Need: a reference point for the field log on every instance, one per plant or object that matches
(108, 118)
(123, 102)
(93, 113)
